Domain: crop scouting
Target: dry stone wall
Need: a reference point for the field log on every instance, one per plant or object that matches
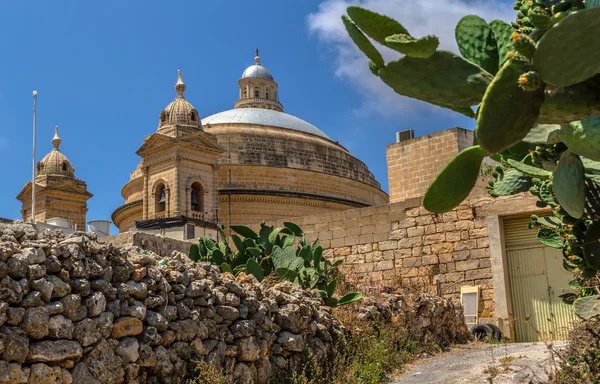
(73, 310)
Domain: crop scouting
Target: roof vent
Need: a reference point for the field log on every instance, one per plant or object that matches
(405, 135)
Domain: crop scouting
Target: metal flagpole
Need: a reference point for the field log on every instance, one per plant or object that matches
(33, 161)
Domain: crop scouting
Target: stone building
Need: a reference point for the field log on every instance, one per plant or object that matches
(240, 166)
(59, 195)
(483, 245)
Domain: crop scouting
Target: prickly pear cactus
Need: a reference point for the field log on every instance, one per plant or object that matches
(476, 42)
(583, 137)
(535, 87)
(568, 53)
(569, 184)
(508, 183)
(443, 79)
(503, 36)
(408, 45)
(587, 307)
(443, 194)
(362, 42)
(507, 112)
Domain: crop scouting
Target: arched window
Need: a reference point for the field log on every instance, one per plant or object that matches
(245, 92)
(40, 167)
(197, 198)
(267, 94)
(160, 199)
(193, 116)
(64, 167)
(256, 92)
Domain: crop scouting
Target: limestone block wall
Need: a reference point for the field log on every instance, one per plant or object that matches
(162, 246)
(413, 164)
(402, 244)
(73, 310)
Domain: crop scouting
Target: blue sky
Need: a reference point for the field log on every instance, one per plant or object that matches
(105, 70)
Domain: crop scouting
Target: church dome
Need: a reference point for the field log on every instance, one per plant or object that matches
(179, 111)
(257, 71)
(266, 117)
(55, 162)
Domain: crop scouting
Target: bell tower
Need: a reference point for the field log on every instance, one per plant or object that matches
(59, 194)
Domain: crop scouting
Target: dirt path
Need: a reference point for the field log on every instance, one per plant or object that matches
(479, 362)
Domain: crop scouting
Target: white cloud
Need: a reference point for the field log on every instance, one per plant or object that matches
(420, 18)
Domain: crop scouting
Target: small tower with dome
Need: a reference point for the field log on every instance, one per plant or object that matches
(258, 89)
(174, 187)
(59, 194)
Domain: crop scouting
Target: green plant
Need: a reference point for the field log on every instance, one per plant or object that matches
(533, 88)
(271, 251)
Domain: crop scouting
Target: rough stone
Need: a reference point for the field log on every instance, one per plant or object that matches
(16, 344)
(59, 327)
(11, 373)
(35, 322)
(81, 374)
(126, 326)
(128, 349)
(43, 374)
(54, 351)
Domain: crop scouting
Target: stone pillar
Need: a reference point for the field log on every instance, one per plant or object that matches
(176, 187)
(146, 198)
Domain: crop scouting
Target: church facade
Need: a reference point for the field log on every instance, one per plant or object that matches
(251, 163)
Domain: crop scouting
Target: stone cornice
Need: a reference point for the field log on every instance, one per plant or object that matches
(308, 198)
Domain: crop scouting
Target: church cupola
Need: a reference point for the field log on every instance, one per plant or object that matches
(258, 89)
(179, 113)
(55, 162)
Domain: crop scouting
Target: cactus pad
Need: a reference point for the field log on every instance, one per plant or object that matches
(507, 112)
(455, 181)
(476, 42)
(568, 52)
(583, 137)
(509, 183)
(591, 247)
(530, 170)
(443, 79)
(543, 134)
(376, 26)
(587, 307)
(530, 81)
(373, 68)
(362, 42)
(569, 184)
(549, 238)
(408, 45)
(503, 35)
(566, 104)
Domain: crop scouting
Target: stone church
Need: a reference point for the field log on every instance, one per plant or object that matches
(250, 163)
(241, 166)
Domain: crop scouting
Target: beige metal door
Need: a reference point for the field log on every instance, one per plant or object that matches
(536, 279)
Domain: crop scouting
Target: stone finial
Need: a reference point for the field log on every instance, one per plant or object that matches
(56, 140)
(257, 58)
(180, 85)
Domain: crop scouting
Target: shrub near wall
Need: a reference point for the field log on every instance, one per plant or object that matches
(73, 310)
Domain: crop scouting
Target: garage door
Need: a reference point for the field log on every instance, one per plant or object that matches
(536, 279)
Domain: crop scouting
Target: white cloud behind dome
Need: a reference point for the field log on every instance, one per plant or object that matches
(420, 18)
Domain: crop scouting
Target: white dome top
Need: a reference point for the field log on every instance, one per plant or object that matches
(257, 71)
(261, 116)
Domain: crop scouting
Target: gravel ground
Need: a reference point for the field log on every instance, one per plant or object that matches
(473, 363)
